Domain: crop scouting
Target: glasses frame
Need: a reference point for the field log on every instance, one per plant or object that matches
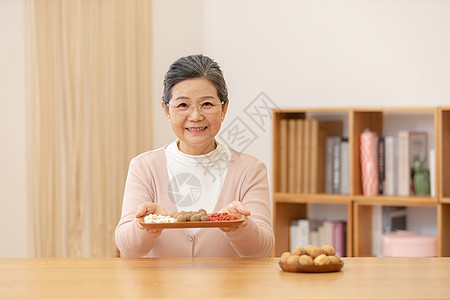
(189, 110)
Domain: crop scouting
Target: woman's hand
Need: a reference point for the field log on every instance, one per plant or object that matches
(235, 207)
(147, 208)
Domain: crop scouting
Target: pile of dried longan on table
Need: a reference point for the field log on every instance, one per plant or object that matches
(311, 255)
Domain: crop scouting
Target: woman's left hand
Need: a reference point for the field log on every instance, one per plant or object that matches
(235, 207)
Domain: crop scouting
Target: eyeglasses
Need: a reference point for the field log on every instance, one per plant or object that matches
(208, 107)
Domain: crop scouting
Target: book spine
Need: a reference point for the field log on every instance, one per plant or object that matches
(404, 173)
(292, 133)
(329, 166)
(338, 238)
(293, 234)
(306, 156)
(303, 233)
(432, 160)
(381, 164)
(336, 166)
(299, 162)
(389, 166)
(314, 151)
(345, 168)
(283, 155)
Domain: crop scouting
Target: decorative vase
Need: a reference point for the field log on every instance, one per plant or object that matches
(421, 178)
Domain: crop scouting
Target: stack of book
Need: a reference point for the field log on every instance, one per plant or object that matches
(303, 156)
(305, 232)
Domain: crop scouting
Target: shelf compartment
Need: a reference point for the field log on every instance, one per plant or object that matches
(362, 231)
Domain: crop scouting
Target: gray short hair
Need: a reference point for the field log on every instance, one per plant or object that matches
(194, 66)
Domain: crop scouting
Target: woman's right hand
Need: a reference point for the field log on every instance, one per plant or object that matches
(147, 208)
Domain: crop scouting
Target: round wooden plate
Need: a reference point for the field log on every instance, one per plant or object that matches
(311, 268)
(201, 224)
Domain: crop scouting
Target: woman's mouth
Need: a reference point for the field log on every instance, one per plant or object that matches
(196, 129)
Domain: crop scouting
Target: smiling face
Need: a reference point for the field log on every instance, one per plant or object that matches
(195, 129)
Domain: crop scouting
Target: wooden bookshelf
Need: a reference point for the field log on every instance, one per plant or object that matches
(289, 206)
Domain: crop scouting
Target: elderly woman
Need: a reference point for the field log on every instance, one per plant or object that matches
(193, 172)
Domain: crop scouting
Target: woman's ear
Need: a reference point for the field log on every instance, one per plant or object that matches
(224, 109)
(166, 110)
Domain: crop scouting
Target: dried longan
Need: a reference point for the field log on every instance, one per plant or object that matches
(195, 218)
(285, 256)
(329, 250)
(322, 260)
(306, 260)
(334, 260)
(204, 218)
(293, 260)
(299, 251)
(181, 218)
(314, 251)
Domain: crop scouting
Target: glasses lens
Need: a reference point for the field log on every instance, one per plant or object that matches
(205, 107)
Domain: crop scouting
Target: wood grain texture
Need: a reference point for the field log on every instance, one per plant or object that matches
(220, 278)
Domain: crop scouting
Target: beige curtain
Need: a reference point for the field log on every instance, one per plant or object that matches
(89, 114)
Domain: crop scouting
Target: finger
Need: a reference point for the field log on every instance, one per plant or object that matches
(238, 207)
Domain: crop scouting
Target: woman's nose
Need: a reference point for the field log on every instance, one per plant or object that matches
(195, 114)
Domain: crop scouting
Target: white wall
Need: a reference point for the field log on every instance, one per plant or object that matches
(177, 31)
(14, 231)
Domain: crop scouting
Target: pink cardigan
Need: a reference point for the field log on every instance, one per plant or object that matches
(246, 181)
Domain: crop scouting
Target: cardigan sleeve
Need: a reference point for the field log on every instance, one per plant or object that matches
(130, 239)
(257, 238)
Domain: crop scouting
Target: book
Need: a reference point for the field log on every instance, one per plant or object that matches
(390, 166)
(339, 237)
(306, 157)
(411, 145)
(314, 156)
(299, 161)
(303, 225)
(432, 161)
(298, 233)
(345, 167)
(328, 233)
(377, 230)
(332, 150)
(283, 155)
(381, 164)
(319, 130)
(292, 155)
(314, 228)
(336, 178)
(293, 234)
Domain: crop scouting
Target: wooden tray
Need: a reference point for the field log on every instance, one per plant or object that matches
(311, 268)
(200, 224)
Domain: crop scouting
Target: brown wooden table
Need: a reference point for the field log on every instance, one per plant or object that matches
(200, 278)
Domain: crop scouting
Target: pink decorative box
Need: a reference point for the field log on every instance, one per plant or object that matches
(407, 244)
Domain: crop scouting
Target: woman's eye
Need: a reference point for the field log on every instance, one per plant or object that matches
(180, 105)
(207, 104)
